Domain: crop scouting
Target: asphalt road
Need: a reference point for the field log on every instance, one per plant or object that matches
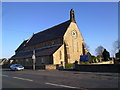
(58, 79)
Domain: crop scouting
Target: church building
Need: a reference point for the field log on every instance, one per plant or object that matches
(61, 44)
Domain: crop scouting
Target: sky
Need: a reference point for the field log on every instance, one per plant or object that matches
(97, 22)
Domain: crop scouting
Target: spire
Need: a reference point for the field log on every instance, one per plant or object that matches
(72, 16)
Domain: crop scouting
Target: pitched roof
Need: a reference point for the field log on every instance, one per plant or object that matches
(49, 34)
(47, 51)
(39, 52)
(22, 45)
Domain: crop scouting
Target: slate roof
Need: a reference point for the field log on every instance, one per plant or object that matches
(49, 34)
(39, 52)
(22, 45)
(54, 32)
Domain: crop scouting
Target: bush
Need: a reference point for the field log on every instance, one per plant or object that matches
(69, 66)
(84, 63)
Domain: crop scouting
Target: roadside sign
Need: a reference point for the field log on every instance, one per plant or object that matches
(84, 58)
(33, 56)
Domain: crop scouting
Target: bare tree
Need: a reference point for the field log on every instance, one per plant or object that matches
(99, 50)
(87, 47)
(116, 47)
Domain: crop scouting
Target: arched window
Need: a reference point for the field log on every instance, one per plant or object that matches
(77, 47)
(73, 45)
(60, 55)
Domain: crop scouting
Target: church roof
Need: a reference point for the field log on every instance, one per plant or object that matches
(22, 45)
(38, 52)
(49, 34)
(52, 33)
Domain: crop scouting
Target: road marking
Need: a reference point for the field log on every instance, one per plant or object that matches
(23, 79)
(5, 75)
(61, 85)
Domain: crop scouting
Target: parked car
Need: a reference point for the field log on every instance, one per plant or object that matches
(16, 67)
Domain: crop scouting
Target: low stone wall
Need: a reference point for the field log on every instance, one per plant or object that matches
(50, 67)
(99, 67)
(105, 62)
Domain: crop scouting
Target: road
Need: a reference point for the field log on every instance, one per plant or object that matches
(58, 79)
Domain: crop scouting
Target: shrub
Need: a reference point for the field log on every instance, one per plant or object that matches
(69, 66)
(84, 63)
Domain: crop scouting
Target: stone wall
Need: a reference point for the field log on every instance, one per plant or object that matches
(54, 67)
(99, 68)
(50, 67)
(73, 43)
(105, 62)
(58, 56)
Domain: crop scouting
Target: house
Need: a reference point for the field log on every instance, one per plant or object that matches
(61, 44)
(3, 61)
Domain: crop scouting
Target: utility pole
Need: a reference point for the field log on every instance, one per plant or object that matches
(34, 58)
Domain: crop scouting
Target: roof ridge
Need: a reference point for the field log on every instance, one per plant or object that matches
(56, 31)
(51, 27)
(29, 39)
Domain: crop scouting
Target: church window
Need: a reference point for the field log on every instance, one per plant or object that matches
(77, 46)
(73, 45)
(60, 55)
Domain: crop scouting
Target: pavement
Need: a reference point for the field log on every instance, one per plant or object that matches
(58, 79)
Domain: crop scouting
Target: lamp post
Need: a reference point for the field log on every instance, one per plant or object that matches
(33, 57)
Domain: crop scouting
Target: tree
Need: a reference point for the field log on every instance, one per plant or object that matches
(93, 59)
(117, 55)
(87, 47)
(116, 47)
(99, 50)
(106, 55)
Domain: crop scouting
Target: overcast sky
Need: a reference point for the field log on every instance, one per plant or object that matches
(98, 22)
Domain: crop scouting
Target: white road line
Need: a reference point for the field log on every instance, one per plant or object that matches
(61, 85)
(23, 79)
(5, 75)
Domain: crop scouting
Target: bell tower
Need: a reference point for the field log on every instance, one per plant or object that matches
(72, 16)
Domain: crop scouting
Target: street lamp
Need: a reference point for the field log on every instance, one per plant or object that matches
(33, 57)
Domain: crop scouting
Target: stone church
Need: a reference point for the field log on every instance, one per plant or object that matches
(61, 44)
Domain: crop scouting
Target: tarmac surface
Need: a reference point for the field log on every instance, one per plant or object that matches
(58, 79)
